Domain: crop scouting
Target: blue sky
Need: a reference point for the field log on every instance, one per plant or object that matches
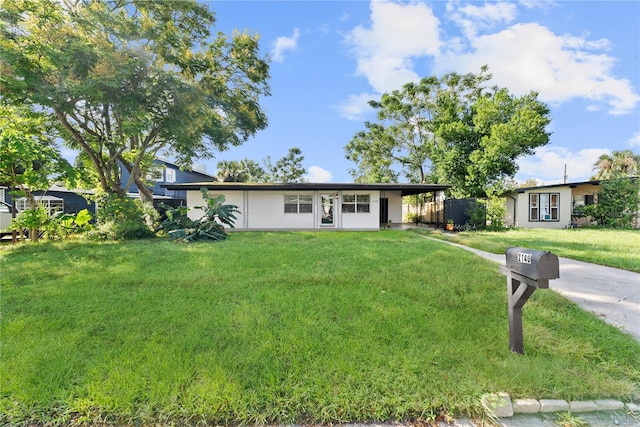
(328, 58)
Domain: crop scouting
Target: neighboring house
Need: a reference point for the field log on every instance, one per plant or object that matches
(56, 198)
(550, 206)
(165, 172)
(308, 206)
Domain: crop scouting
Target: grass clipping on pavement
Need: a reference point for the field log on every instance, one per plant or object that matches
(304, 327)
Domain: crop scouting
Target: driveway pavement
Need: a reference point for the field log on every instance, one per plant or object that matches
(610, 293)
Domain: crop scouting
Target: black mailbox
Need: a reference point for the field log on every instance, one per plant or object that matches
(527, 270)
(538, 266)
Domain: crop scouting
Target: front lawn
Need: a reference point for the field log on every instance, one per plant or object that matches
(613, 248)
(302, 327)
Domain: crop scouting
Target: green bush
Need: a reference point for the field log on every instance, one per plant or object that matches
(618, 203)
(477, 215)
(33, 220)
(122, 219)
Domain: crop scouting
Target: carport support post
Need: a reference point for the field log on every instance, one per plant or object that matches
(518, 294)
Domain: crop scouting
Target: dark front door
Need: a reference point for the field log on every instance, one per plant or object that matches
(384, 210)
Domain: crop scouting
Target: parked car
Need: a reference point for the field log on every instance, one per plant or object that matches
(5, 218)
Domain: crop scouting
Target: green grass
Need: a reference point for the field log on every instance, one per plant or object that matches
(613, 248)
(280, 328)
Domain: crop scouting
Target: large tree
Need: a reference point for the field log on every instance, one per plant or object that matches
(455, 130)
(129, 79)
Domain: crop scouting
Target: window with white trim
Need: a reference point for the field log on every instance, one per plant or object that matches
(170, 175)
(544, 207)
(298, 203)
(356, 203)
(155, 174)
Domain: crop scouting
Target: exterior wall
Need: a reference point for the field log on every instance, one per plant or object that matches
(565, 208)
(362, 221)
(395, 206)
(264, 210)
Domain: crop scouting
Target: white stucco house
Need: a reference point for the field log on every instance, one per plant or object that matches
(309, 206)
(550, 206)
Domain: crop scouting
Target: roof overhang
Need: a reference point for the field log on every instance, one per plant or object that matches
(404, 189)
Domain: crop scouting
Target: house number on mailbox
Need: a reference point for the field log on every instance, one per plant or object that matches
(524, 258)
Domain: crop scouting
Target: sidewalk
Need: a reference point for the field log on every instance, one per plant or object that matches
(610, 293)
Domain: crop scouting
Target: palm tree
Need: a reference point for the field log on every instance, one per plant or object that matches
(624, 163)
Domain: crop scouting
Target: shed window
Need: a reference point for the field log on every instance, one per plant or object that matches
(544, 207)
(298, 203)
(356, 203)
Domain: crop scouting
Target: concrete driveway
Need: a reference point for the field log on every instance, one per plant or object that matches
(610, 293)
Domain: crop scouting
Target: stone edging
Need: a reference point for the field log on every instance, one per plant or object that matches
(501, 405)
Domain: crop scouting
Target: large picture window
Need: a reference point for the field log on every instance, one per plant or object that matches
(298, 203)
(356, 203)
(544, 207)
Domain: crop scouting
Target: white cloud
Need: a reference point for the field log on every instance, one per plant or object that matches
(635, 140)
(283, 44)
(529, 56)
(398, 34)
(547, 164)
(317, 174)
(356, 106)
(472, 18)
(522, 57)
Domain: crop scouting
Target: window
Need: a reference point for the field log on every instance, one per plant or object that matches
(170, 175)
(544, 207)
(356, 203)
(298, 203)
(155, 174)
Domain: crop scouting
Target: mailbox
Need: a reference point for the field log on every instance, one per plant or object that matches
(527, 270)
(537, 266)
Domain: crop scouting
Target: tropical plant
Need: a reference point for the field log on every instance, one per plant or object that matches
(245, 170)
(64, 224)
(210, 226)
(619, 164)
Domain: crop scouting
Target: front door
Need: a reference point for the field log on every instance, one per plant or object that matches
(326, 209)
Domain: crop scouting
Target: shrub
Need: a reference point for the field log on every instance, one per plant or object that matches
(477, 216)
(618, 203)
(34, 220)
(122, 219)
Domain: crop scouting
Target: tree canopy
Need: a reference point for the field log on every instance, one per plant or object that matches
(29, 158)
(453, 130)
(286, 169)
(128, 79)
